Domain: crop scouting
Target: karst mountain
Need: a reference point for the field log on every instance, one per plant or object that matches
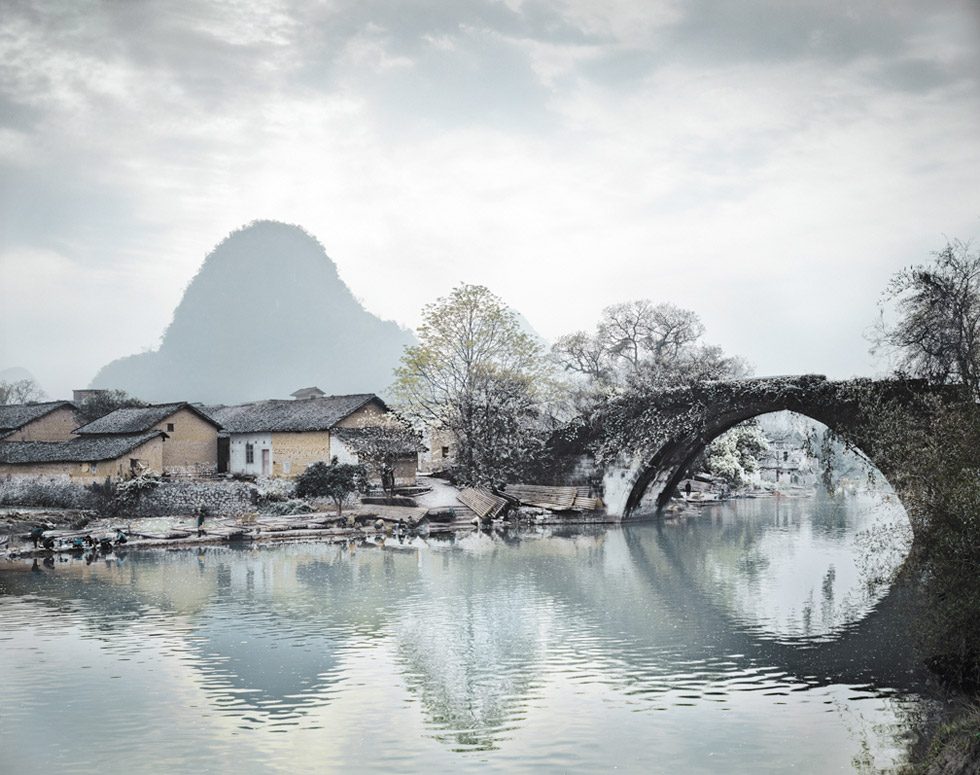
(266, 314)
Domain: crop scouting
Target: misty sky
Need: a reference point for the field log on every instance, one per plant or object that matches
(766, 164)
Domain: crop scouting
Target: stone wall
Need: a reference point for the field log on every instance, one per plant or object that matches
(225, 498)
(51, 492)
(222, 498)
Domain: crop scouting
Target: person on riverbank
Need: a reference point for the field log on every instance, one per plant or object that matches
(201, 514)
(36, 535)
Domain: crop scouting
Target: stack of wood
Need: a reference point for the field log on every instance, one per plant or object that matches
(484, 503)
(554, 498)
(585, 501)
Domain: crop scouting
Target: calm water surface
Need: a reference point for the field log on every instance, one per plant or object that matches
(749, 638)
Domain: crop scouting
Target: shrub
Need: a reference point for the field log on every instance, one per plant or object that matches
(338, 481)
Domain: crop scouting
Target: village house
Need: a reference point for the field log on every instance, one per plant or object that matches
(50, 421)
(189, 440)
(309, 392)
(786, 461)
(283, 437)
(439, 451)
(84, 460)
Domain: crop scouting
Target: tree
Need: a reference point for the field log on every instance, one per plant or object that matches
(937, 334)
(734, 455)
(381, 446)
(20, 391)
(103, 402)
(477, 374)
(639, 331)
(585, 354)
(646, 343)
(934, 447)
(692, 364)
(337, 481)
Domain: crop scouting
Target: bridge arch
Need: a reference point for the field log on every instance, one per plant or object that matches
(673, 460)
(691, 418)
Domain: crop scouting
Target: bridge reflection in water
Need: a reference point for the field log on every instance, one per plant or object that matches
(752, 626)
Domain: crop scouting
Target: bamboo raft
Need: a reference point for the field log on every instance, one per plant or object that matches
(554, 498)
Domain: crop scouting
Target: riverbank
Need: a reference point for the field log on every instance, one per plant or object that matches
(954, 747)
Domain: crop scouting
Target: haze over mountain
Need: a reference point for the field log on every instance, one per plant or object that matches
(266, 314)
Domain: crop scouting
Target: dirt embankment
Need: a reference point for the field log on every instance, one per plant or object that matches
(17, 520)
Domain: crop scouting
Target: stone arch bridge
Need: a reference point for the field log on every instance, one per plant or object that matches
(683, 421)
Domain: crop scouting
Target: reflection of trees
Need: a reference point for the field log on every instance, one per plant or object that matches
(473, 641)
(479, 625)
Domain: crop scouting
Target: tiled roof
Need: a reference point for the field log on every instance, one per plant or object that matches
(309, 392)
(311, 414)
(137, 419)
(14, 416)
(88, 449)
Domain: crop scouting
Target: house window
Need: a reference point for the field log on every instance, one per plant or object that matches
(445, 451)
(785, 456)
(93, 467)
(249, 452)
(170, 427)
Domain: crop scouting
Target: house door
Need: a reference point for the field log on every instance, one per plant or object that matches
(265, 462)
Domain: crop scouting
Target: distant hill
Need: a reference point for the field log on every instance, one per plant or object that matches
(266, 314)
(16, 374)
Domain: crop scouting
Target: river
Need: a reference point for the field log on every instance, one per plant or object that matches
(752, 636)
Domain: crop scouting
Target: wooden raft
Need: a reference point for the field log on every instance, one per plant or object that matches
(482, 501)
(554, 498)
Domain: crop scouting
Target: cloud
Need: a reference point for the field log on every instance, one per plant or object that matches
(783, 159)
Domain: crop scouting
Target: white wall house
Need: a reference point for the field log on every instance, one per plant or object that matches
(250, 453)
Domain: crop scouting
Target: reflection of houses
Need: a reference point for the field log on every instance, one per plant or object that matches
(190, 437)
(51, 421)
(283, 437)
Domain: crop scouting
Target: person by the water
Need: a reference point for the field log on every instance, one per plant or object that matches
(120, 536)
(201, 514)
(36, 535)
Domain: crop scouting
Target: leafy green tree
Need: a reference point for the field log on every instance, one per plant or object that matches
(337, 481)
(477, 374)
(937, 332)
